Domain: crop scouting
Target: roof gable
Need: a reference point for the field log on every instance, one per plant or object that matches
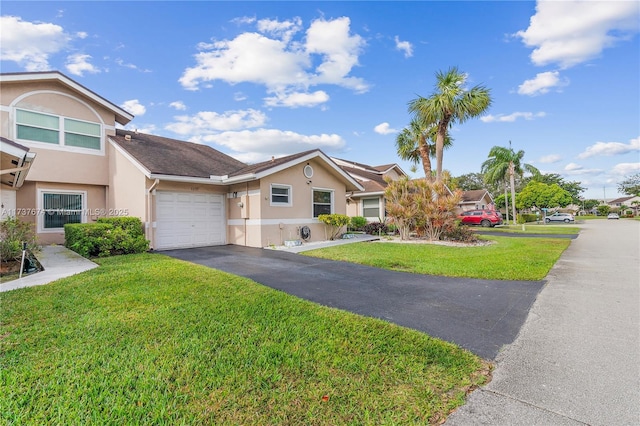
(122, 117)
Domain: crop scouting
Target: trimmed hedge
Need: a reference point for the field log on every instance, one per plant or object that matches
(109, 236)
(526, 218)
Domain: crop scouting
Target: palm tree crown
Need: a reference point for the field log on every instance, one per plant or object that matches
(505, 163)
(450, 103)
(417, 144)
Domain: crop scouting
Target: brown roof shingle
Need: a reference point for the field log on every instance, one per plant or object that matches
(167, 156)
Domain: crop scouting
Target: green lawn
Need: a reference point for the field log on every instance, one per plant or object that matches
(533, 228)
(509, 258)
(146, 339)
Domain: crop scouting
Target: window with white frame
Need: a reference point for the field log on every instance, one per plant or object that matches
(371, 207)
(56, 130)
(322, 202)
(60, 208)
(280, 195)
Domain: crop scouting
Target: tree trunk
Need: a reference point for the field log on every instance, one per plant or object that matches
(440, 135)
(512, 181)
(423, 149)
(506, 202)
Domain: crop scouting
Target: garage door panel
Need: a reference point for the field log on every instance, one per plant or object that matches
(189, 220)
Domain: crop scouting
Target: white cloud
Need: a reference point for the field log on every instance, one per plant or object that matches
(404, 46)
(297, 99)
(573, 169)
(30, 44)
(624, 169)
(550, 159)
(178, 105)
(511, 117)
(78, 64)
(542, 83)
(384, 129)
(123, 64)
(134, 107)
(283, 30)
(208, 122)
(610, 148)
(280, 64)
(571, 32)
(262, 144)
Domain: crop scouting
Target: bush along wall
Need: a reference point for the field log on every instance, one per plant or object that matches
(109, 236)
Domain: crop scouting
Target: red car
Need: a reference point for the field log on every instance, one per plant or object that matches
(486, 218)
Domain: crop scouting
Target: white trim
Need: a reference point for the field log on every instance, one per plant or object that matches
(129, 157)
(306, 158)
(60, 146)
(289, 202)
(333, 201)
(237, 194)
(41, 212)
(260, 222)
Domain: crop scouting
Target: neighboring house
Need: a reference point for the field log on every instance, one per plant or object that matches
(369, 202)
(477, 199)
(626, 203)
(186, 194)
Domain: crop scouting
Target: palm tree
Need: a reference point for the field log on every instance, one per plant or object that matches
(417, 144)
(505, 162)
(450, 103)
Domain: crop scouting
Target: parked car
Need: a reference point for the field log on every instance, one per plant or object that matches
(613, 216)
(559, 217)
(486, 218)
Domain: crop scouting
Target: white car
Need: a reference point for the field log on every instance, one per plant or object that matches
(613, 216)
(559, 217)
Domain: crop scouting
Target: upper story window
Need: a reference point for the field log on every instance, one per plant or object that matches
(280, 195)
(322, 202)
(56, 130)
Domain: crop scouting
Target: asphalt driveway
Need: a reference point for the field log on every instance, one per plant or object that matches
(478, 315)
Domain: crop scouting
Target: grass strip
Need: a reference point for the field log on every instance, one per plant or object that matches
(146, 339)
(508, 258)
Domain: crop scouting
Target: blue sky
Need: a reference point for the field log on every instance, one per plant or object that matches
(256, 79)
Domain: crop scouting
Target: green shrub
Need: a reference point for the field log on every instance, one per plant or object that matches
(334, 222)
(358, 222)
(131, 224)
(106, 237)
(526, 218)
(14, 232)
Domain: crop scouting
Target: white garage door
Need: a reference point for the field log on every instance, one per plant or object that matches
(185, 219)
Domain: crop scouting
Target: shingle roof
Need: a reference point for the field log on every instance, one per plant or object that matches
(371, 181)
(266, 165)
(167, 156)
(473, 195)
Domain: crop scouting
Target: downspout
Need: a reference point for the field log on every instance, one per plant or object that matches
(149, 213)
(245, 219)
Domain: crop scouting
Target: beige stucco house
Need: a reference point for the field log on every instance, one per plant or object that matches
(369, 202)
(186, 194)
(477, 199)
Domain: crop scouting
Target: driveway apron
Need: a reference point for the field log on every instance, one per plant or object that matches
(479, 315)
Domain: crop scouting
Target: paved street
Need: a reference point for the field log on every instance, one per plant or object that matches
(576, 360)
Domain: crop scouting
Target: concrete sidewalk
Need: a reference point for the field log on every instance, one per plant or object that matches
(576, 360)
(58, 262)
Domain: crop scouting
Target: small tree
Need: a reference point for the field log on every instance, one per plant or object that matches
(335, 222)
(603, 210)
(13, 233)
(400, 205)
(436, 207)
